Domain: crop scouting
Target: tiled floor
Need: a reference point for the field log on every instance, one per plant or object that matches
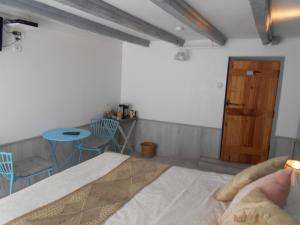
(219, 166)
(205, 164)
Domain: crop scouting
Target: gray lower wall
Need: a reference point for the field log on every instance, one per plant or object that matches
(38, 146)
(35, 146)
(179, 141)
(297, 150)
(188, 142)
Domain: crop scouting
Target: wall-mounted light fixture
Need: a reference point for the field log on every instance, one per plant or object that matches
(182, 55)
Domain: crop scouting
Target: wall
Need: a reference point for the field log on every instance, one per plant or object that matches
(179, 141)
(196, 143)
(163, 89)
(62, 78)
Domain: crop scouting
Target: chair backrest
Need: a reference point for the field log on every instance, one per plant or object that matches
(104, 127)
(6, 163)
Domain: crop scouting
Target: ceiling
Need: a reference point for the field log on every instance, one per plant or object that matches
(226, 17)
(234, 18)
(286, 18)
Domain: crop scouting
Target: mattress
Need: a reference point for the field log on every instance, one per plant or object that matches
(179, 196)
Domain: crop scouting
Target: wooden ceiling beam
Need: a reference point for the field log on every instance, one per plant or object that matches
(185, 13)
(73, 20)
(261, 10)
(109, 12)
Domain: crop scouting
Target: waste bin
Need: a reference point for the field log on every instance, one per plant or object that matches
(148, 149)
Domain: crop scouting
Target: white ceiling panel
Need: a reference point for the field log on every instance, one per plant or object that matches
(93, 18)
(148, 11)
(232, 17)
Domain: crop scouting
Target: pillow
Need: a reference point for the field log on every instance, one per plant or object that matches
(257, 209)
(276, 188)
(249, 175)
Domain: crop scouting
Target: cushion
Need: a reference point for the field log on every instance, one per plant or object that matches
(256, 209)
(249, 175)
(275, 186)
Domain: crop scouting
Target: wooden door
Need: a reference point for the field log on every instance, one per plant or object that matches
(249, 110)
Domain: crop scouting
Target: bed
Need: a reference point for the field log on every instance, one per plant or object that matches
(178, 196)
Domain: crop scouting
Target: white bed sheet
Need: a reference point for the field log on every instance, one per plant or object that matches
(179, 196)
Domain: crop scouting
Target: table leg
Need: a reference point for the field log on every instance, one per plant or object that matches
(116, 145)
(126, 137)
(72, 155)
(53, 145)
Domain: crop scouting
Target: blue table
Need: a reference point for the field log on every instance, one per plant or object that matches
(56, 135)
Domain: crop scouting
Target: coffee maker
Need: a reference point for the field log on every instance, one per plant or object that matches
(125, 110)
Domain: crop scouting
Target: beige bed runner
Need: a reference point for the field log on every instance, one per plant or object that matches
(94, 203)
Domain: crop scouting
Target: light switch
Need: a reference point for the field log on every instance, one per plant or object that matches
(220, 85)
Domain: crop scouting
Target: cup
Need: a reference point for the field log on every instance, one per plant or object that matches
(119, 115)
(132, 114)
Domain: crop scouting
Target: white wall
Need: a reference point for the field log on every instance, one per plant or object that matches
(63, 78)
(186, 92)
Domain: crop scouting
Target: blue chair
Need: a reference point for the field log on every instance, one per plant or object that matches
(103, 133)
(23, 169)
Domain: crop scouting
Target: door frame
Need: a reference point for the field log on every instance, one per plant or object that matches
(281, 60)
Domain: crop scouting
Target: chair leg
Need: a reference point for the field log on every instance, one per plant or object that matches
(29, 180)
(11, 185)
(106, 148)
(80, 155)
(115, 145)
(50, 172)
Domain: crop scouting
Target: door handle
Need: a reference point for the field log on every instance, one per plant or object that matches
(234, 104)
